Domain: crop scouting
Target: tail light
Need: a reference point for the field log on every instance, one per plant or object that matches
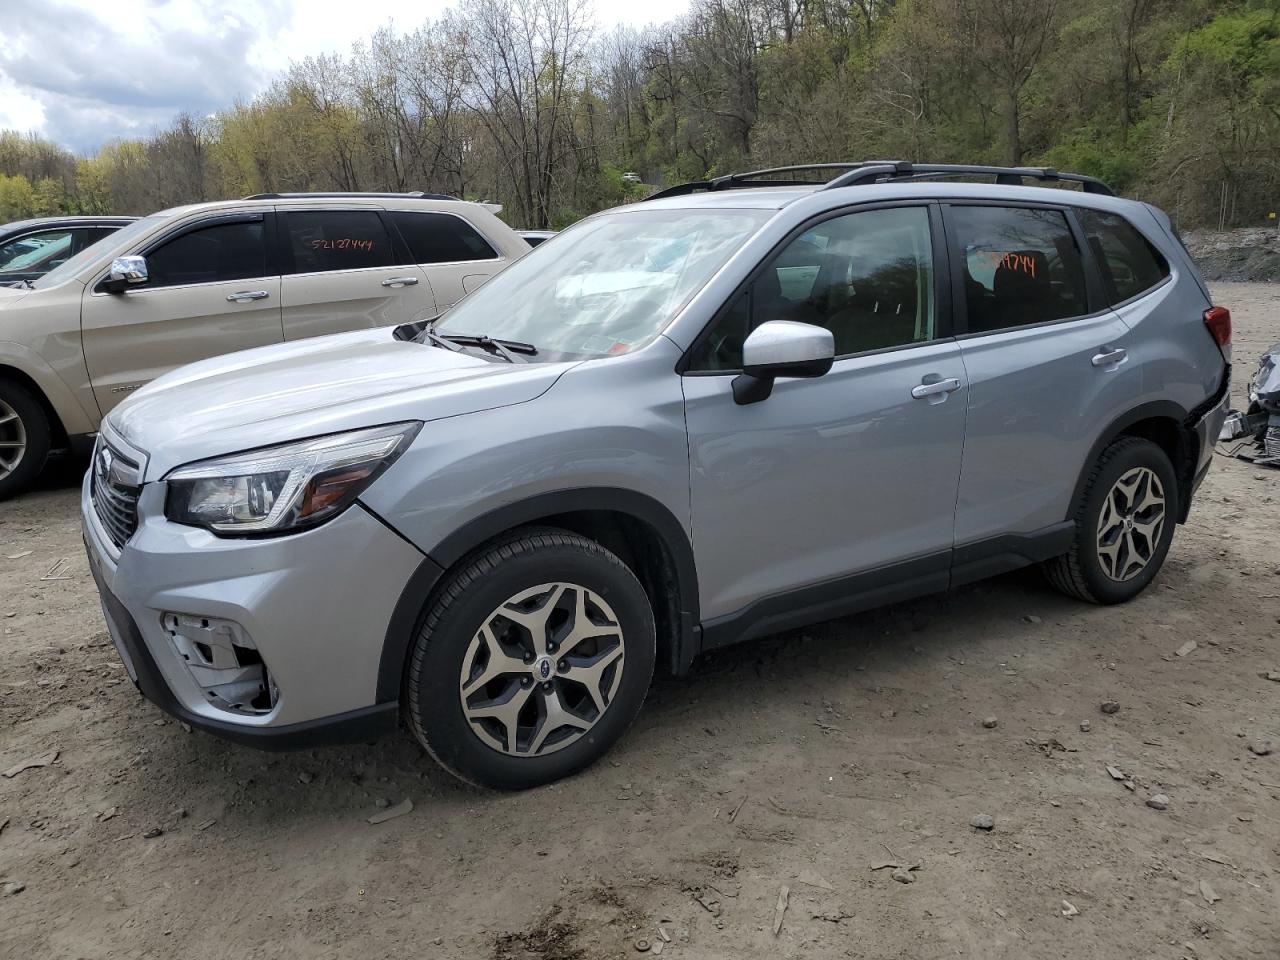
(1218, 320)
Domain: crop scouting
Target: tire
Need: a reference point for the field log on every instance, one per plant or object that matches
(22, 420)
(466, 720)
(1101, 566)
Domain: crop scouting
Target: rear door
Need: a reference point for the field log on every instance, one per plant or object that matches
(450, 250)
(212, 289)
(346, 269)
(1046, 361)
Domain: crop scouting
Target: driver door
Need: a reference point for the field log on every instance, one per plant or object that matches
(209, 291)
(844, 483)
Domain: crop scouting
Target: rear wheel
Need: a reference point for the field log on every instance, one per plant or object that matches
(1124, 525)
(533, 660)
(24, 438)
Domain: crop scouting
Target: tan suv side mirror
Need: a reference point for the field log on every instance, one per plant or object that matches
(126, 272)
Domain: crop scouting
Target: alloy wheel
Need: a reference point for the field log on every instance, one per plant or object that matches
(13, 439)
(1129, 527)
(542, 669)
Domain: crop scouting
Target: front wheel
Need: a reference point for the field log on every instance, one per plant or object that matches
(532, 662)
(1124, 525)
(24, 438)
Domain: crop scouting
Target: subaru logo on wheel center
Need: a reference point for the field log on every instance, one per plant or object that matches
(544, 668)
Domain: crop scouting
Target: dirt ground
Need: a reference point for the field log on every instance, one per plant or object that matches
(804, 761)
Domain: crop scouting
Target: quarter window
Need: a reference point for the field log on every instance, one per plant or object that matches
(1129, 264)
(223, 251)
(1021, 266)
(441, 238)
(867, 277)
(324, 240)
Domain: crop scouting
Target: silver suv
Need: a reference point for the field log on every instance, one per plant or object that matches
(728, 411)
(202, 280)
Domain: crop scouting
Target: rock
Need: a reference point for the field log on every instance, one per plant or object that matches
(903, 875)
(33, 764)
(1208, 893)
(1260, 747)
(153, 833)
(1272, 675)
(888, 714)
(1186, 648)
(1115, 773)
(1069, 909)
(399, 810)
(14, 887)
(1031, 618)
(305, 777)
(982, 821)
(1110, 706)
(990, 723)
(382, 803)
(1084, 726)
(1158, 802)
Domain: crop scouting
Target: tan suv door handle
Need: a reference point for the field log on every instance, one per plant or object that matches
(244, 296)
(399, 281)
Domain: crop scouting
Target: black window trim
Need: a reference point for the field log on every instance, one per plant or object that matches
(942, 293)
(1094, 300)
(498, 256)
(1168, 264)
(266, 217)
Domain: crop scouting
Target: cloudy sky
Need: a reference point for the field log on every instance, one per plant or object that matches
(82, 72)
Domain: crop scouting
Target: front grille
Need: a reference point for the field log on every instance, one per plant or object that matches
(114, 486)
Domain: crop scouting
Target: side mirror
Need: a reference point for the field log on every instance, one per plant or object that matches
(781, 348)
(126, 272)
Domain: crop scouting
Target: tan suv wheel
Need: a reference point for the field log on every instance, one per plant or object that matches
(24, 438)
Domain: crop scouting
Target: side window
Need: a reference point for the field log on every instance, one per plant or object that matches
(91, 235)
(867, 277)
(324, 240)
(1021, 266)
(1129, 264)
(36, 251)
(442, 238)
(222, 251)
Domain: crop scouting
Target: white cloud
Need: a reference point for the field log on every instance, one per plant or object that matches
(82, 72)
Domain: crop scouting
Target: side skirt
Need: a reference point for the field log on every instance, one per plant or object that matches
(880, 587)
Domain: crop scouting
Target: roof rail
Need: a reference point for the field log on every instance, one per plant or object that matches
(882, 171)
(413, 194)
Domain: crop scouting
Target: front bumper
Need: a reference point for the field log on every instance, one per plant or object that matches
(316, 605)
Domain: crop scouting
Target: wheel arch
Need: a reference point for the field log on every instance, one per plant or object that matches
(58, 431)
(639, 529)
(1165, 424)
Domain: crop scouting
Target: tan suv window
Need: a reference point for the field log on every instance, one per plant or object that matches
(326, 240)
(222, 251)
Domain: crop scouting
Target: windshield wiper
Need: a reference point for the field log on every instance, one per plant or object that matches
(507, 349)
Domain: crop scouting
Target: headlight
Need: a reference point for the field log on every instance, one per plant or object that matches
(285, 488)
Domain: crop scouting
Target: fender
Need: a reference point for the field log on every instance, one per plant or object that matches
(1146, 411)
(406, 617)
(73, 416)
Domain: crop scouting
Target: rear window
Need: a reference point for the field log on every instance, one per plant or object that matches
(1129, 264)
(325, 240)
(442, 238)
(1022, 266)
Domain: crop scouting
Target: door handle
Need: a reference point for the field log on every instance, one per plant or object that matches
(1109, 356)
(244, 296)
(938, 388)
(399, 281)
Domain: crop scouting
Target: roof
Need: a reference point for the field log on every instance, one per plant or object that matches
(85, 221)
(775, 198)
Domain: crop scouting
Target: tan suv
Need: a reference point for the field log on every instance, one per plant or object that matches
(208, 279)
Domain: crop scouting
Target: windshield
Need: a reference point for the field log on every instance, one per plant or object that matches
(91, 253)
(35, 252)
(608, 285)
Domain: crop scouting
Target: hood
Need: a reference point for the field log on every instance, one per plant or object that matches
(11, 295)
(292, 391)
